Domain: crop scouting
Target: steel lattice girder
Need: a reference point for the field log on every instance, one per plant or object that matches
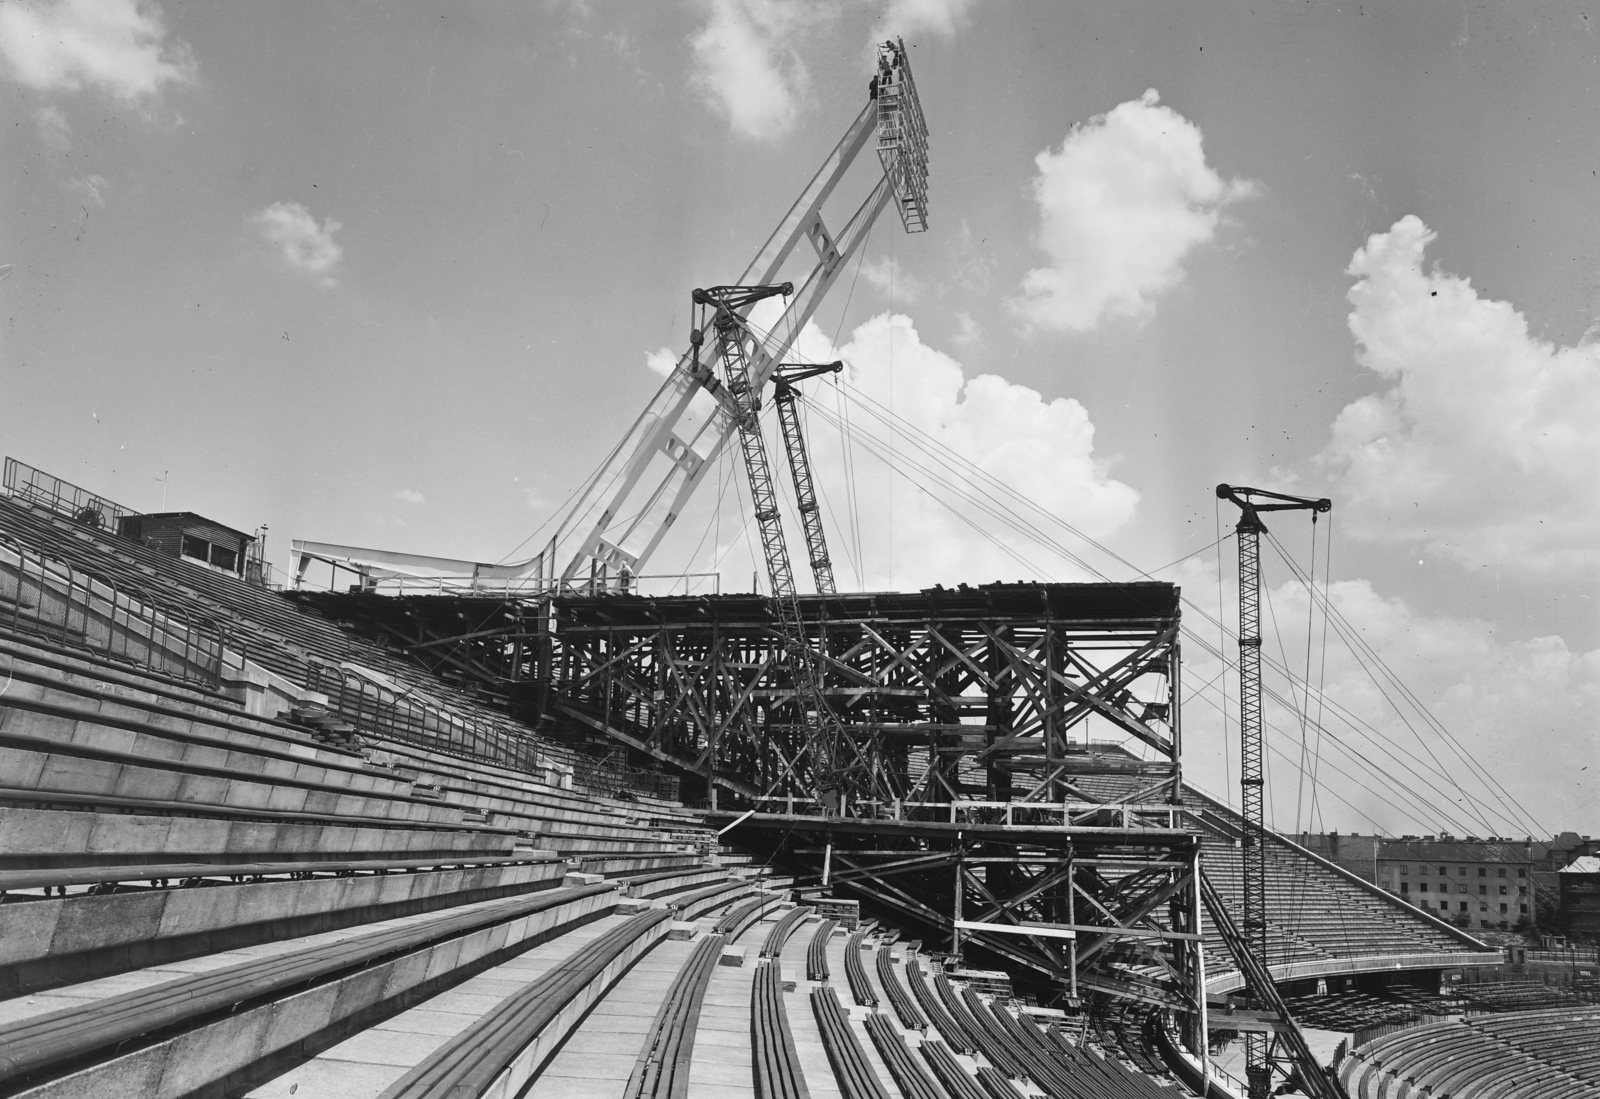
(1006, 692)
(1129, 896)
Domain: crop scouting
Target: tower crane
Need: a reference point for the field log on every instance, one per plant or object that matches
(1249, 944)
(825, 739)
(617, 521)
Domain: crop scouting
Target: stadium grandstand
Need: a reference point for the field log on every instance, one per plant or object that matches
(470, 830)
(224, 873)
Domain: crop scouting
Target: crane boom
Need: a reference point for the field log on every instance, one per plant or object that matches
(672, 446)
(618, 518)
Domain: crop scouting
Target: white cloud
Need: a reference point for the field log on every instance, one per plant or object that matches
(969, 333)
(1484, 448)
(117, 46)
(303, 245)
(661, 361)
(410, 496)
(1523, 709)
(1121, 204)
(746, 66)
(908, 538)
(885, 275)
(54, 129)
(913, 17)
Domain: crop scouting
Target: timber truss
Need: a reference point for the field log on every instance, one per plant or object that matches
(1006, 694)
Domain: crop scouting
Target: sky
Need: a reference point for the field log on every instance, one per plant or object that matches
(402, 274)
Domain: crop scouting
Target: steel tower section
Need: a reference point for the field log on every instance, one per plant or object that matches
(786, 397)
(830, 774)
(1253, 936)
(1251, 782)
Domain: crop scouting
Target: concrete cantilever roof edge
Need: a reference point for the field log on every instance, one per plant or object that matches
(1357, 880)
(1477, 952)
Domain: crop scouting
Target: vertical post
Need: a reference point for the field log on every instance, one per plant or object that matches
(1258, 1072)
(1202, 1037)
(1072, 918)
(955, 932)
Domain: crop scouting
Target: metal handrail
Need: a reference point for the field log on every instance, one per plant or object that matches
(62, 604)
(410, 717)
(35, 486)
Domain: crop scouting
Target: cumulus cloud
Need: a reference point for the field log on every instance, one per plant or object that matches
(1483, 446)
(746, 67)
(912, 17)
(302, 244)
(893, 530)
(1121, 203)
(119, 47)
(661, 361)
(885, 275)
(410, 496)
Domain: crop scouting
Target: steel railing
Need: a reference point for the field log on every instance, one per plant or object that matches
(54, 601)
(35, 486)
(375, 709)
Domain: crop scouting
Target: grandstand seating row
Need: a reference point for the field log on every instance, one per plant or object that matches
(269, 630)
(1521, 1055)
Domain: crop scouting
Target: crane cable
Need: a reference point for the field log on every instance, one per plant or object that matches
(941, 455)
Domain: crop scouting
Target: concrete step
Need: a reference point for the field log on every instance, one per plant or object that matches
(54, 941)
(32, 838)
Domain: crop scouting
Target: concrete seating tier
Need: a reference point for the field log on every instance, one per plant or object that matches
(661, 1070)
(779, 934)
(502, 789)
(817, 968)
(1515, 1056)
(667, 883)
(266, 627)
(905, 1008)
(909, 1075)
(64, 839)
(223, 1022)
(499, 1053)
(50, 752)
(740, 919)
(855, 1074)
(47, 942)
(611, 866)
(1315, 913)
(855, 973)
(81, 681)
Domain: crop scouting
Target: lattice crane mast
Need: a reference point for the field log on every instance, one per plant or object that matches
(825, 739)
(1253, 916)
(787, 397)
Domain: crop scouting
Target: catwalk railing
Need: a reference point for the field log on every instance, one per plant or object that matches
(377, 710)
(35, 486)
(58, 603)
